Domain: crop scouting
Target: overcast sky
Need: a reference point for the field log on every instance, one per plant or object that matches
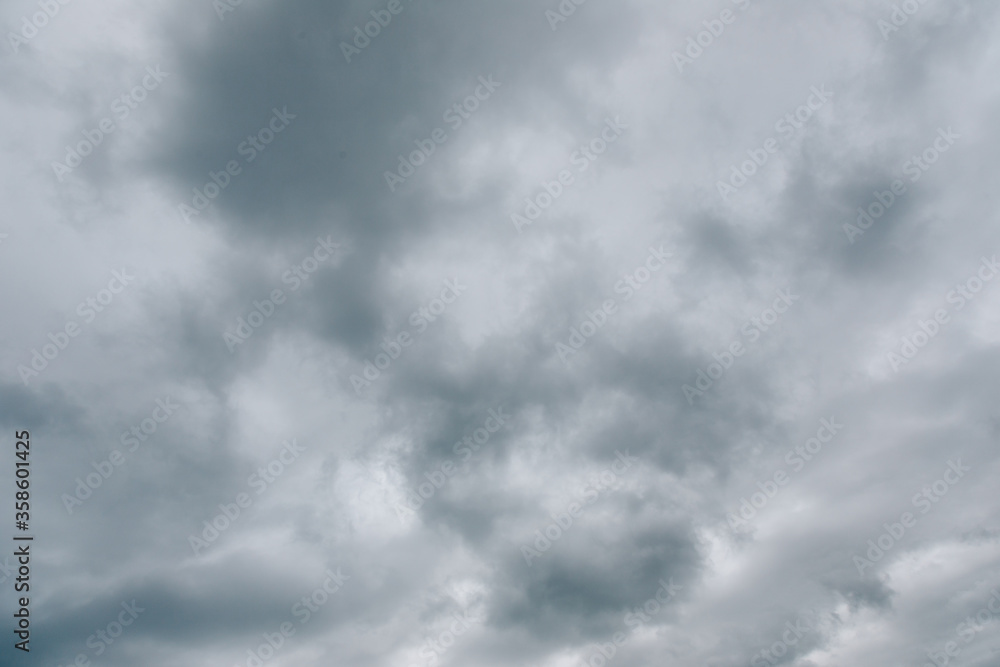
(402, 333)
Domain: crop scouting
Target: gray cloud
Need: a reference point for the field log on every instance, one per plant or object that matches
(384, 382)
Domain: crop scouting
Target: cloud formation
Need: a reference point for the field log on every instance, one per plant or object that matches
(565, 333)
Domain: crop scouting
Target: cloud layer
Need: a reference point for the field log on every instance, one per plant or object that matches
(440, 333)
